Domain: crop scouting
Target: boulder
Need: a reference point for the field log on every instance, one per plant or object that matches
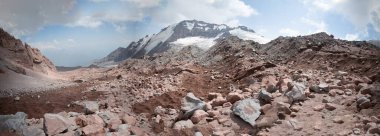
(32, 131)
(183, 124)
(248, 110)
(55, 124)
(13, 122)
(90, 107)
(296, 93)
(190, 104)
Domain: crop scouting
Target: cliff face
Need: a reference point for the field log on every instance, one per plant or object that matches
(15, 55)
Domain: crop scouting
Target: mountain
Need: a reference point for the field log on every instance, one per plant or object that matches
(23, 68)
(16, 56)
(185, 33)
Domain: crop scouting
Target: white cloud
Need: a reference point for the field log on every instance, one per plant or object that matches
(289, 32)
(360, 13)
(145, 3)
(54, 44)
(351, 37)
(215, 11)
(23, 17)
(320, 26)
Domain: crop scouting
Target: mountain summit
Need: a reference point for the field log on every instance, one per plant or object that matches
(185, 33)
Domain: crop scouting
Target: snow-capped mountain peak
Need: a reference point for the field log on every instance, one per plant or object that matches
(185, 33)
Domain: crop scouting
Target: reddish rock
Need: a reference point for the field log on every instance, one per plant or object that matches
(130, 120)
(233, 97)
(198, 116)
(330, 106)
(55, 124)
(93, 130)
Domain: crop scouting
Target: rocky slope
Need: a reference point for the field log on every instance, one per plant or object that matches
(185, 33)
(308, 85)
(14, 52)
(23, 68)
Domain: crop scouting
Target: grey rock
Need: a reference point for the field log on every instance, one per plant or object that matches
(90, 107)
(363, 102)
(265, 97)
(248, 110)
(190, 104)
(321, 88)
(32, 131)
(13, 122)
(297, 93)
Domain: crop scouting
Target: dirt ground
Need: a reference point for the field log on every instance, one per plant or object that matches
(49, 102)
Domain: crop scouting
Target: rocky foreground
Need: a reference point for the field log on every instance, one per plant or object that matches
(310, 85)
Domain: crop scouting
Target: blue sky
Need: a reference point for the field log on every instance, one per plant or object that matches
(75, 32)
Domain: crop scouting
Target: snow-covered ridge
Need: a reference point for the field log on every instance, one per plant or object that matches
(185, 33)
(246, 35)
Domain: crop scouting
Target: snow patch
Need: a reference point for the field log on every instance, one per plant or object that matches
(220, 27)
(245, 35)
(200, 24)
(201, 42)
(159, 38)
(189, 25)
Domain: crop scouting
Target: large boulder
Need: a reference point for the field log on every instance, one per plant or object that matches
(190, 104)
(296, 92)
(55, 124)
(248, 110)
(13, 122)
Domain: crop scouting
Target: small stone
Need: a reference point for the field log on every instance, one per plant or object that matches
(90, 107)
(293, 114)
(319, 107)
(17, 98)
(93, 129)
(183, 124)
(198, 116)
(295, 108)
(311, 95)
(364, 102)
(233, 97)
(227, 104)
(265, 97)
(326, 100)
(332, 93)
(338, 120)
(356, 131)
(330, 106)
(213, 113)
(339, 92)
(130, 120)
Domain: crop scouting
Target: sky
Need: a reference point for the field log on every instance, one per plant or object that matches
(76, 32)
